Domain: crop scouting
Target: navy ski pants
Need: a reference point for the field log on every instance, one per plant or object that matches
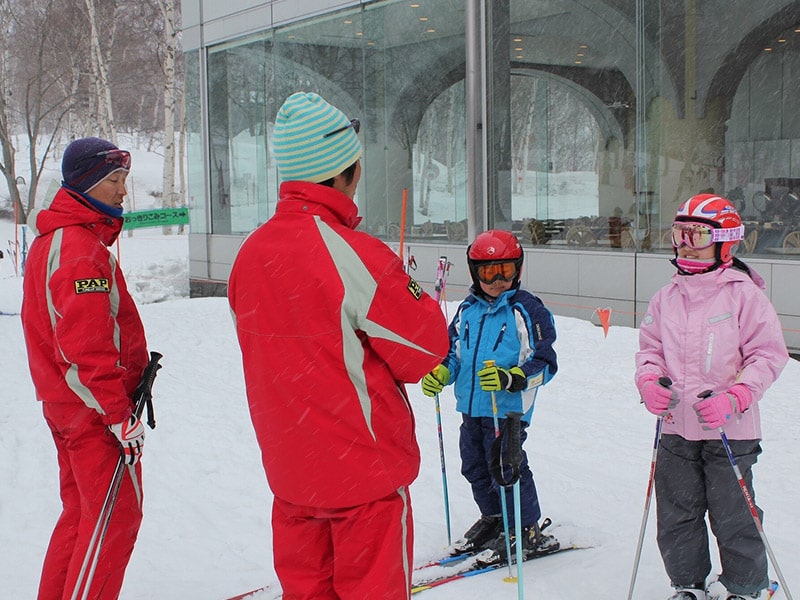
(477, 436)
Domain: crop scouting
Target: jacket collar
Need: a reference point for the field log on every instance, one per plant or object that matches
(716, 278)
(315, 199)
(502, 299)
(70, 209)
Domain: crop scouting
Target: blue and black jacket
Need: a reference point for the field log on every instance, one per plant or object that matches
(514, 330)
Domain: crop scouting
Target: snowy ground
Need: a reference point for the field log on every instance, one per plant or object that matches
(206, 531)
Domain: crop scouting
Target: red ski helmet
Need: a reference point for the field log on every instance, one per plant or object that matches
(494, 246)
(719, 213)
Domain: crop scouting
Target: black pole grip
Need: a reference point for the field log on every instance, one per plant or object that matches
(143, 396)
(514, 446)
(511, 433)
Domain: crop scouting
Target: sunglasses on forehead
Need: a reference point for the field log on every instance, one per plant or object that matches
(354, 123)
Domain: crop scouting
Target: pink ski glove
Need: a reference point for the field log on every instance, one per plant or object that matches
(657, 398)
(715, 411)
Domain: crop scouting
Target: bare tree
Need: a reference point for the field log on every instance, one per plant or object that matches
(156, 29)
(170, 45)
(36, 100)
(71, 68)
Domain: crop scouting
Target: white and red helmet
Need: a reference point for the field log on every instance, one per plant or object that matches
(719, 213)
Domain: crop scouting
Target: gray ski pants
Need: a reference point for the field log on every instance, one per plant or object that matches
(694, 478)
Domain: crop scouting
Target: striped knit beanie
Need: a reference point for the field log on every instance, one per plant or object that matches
(301, 150)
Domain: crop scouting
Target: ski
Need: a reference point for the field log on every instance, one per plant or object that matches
(473, 567)
(442, 271)
(454, 555)
(448, 560)
(455, 567)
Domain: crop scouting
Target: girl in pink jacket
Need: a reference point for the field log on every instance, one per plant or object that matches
(710, 328)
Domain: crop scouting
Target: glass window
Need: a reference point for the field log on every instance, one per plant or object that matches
(414, 77)
(602, 118)
(238, 155)
(572, 122)
(196, 174)
(326, 56)
(761, 164)
(439, 161)
(411, 112)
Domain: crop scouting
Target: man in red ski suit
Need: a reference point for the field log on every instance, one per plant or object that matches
(331, 327)
(86, 352)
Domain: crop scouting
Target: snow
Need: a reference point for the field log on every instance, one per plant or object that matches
(206, 533)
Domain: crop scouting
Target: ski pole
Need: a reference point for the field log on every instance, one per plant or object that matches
(753, 512)
(511, 435)
(143, 397)
(665, 382)
(518, 533)
(748, 498)
(99, 533)
(515, 458)
(503, 503)
(444, 470)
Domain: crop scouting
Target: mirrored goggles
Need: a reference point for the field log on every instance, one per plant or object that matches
(120, 159)
(702, 235)
(491, 272)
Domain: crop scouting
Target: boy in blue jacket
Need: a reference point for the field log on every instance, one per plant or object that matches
(502, 323)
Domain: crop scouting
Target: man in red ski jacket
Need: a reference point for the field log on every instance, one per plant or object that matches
(331, 327)
(86, 352)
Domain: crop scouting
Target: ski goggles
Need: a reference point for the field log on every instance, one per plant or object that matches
(354, 123)
(103, 163)
(491, 272)
(119, 159)
(701, 235)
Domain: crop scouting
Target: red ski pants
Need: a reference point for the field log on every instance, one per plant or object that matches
(87, 457)
(358, 553)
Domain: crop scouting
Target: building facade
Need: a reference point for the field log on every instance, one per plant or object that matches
(580, 125)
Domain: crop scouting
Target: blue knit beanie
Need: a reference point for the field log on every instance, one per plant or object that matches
(86, 163)
(302, 150)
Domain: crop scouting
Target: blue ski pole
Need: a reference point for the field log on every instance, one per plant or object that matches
(515, 458)
(444, 469)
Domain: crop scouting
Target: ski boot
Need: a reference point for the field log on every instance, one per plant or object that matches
(717, 591)
(483, 532)
(534, 543)
(695, 592)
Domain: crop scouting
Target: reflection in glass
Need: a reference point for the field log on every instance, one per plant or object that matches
(608, 116)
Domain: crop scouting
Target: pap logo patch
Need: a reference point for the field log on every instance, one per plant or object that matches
(95, 284)
(414, 288)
